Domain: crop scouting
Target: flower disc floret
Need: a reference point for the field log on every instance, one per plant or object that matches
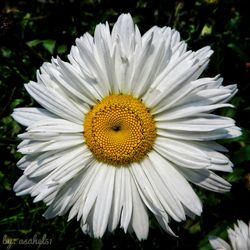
(119, 130)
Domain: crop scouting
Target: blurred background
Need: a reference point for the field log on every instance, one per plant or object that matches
(33, 31)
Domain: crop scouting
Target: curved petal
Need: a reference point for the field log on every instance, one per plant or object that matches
(182, 153)
(122, 200)
(151, 188)
(27, 116)
(103, 203)
(218, 243)
(56, 103)
(176, 183)
(206, 179)
(139, 220)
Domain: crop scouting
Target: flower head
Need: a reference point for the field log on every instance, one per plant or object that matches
(122, 129)
(239, 238)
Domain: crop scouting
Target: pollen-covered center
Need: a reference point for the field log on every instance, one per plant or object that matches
(119, 130)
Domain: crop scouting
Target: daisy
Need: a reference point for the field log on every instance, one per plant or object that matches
(239, 238)
(125, 125)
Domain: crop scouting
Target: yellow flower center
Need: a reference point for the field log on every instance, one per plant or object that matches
(119, 130)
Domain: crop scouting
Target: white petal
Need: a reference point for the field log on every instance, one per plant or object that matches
(73, 83)
(239, 236)
(86, 184)
(149, 63)
(176, 183)
(218, 160)
(198, 123)
(103, 52)
(127, 200)
(208, 96)
(139, 220)
(217, 243)
(206, 179)
(55, 103)
(52, 126)
(93, 189)
(64, 198)
(48, 161)
(55, 143)
(60, 175)
(151, 189)
(122, 200)
(54, 168)
(193, 154)
(24, 185)
(180, 96)
(27, 116)
(117, 200)
(88, 83)
(93, 65)
(124, 28)
(177, 73)
(190, 110)
(201, 136)
(27, 160)
(103, 203)
(56, 76)
(182, 153)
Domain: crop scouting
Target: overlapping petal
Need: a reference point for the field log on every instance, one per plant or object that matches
(239, 237)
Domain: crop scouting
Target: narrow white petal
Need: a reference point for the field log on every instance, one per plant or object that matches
(55, 103)
(51, 165)
(176, 183)
(190, 110)
(27, 116)
(93, 65)
(93, 191)
(54, 125)
(151, 189)
(184, 94)
(206, 179)
(218, 161)
(86, 184)
(88, 83)
(139, 220)
(164, 224)
(177, 73)
(117, 203)
(124, 28)
(74, 84)
(24, 185)
(103, 203)
(104, 54)
(217, 243)
(62, 174)
(149, 63)
(239, 235)
(199, 123)
(182, 153)
(127, 208)
(59, 142)
(231, 132)
(27, 160)
(122, 200)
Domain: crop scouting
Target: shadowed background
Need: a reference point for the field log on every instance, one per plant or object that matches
(33, 31)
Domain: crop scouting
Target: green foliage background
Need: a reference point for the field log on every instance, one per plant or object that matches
(32, 31)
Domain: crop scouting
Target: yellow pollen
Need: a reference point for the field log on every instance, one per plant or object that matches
(119, 130)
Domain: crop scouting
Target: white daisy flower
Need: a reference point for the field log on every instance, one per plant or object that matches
(239, 238)
(122, 129)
